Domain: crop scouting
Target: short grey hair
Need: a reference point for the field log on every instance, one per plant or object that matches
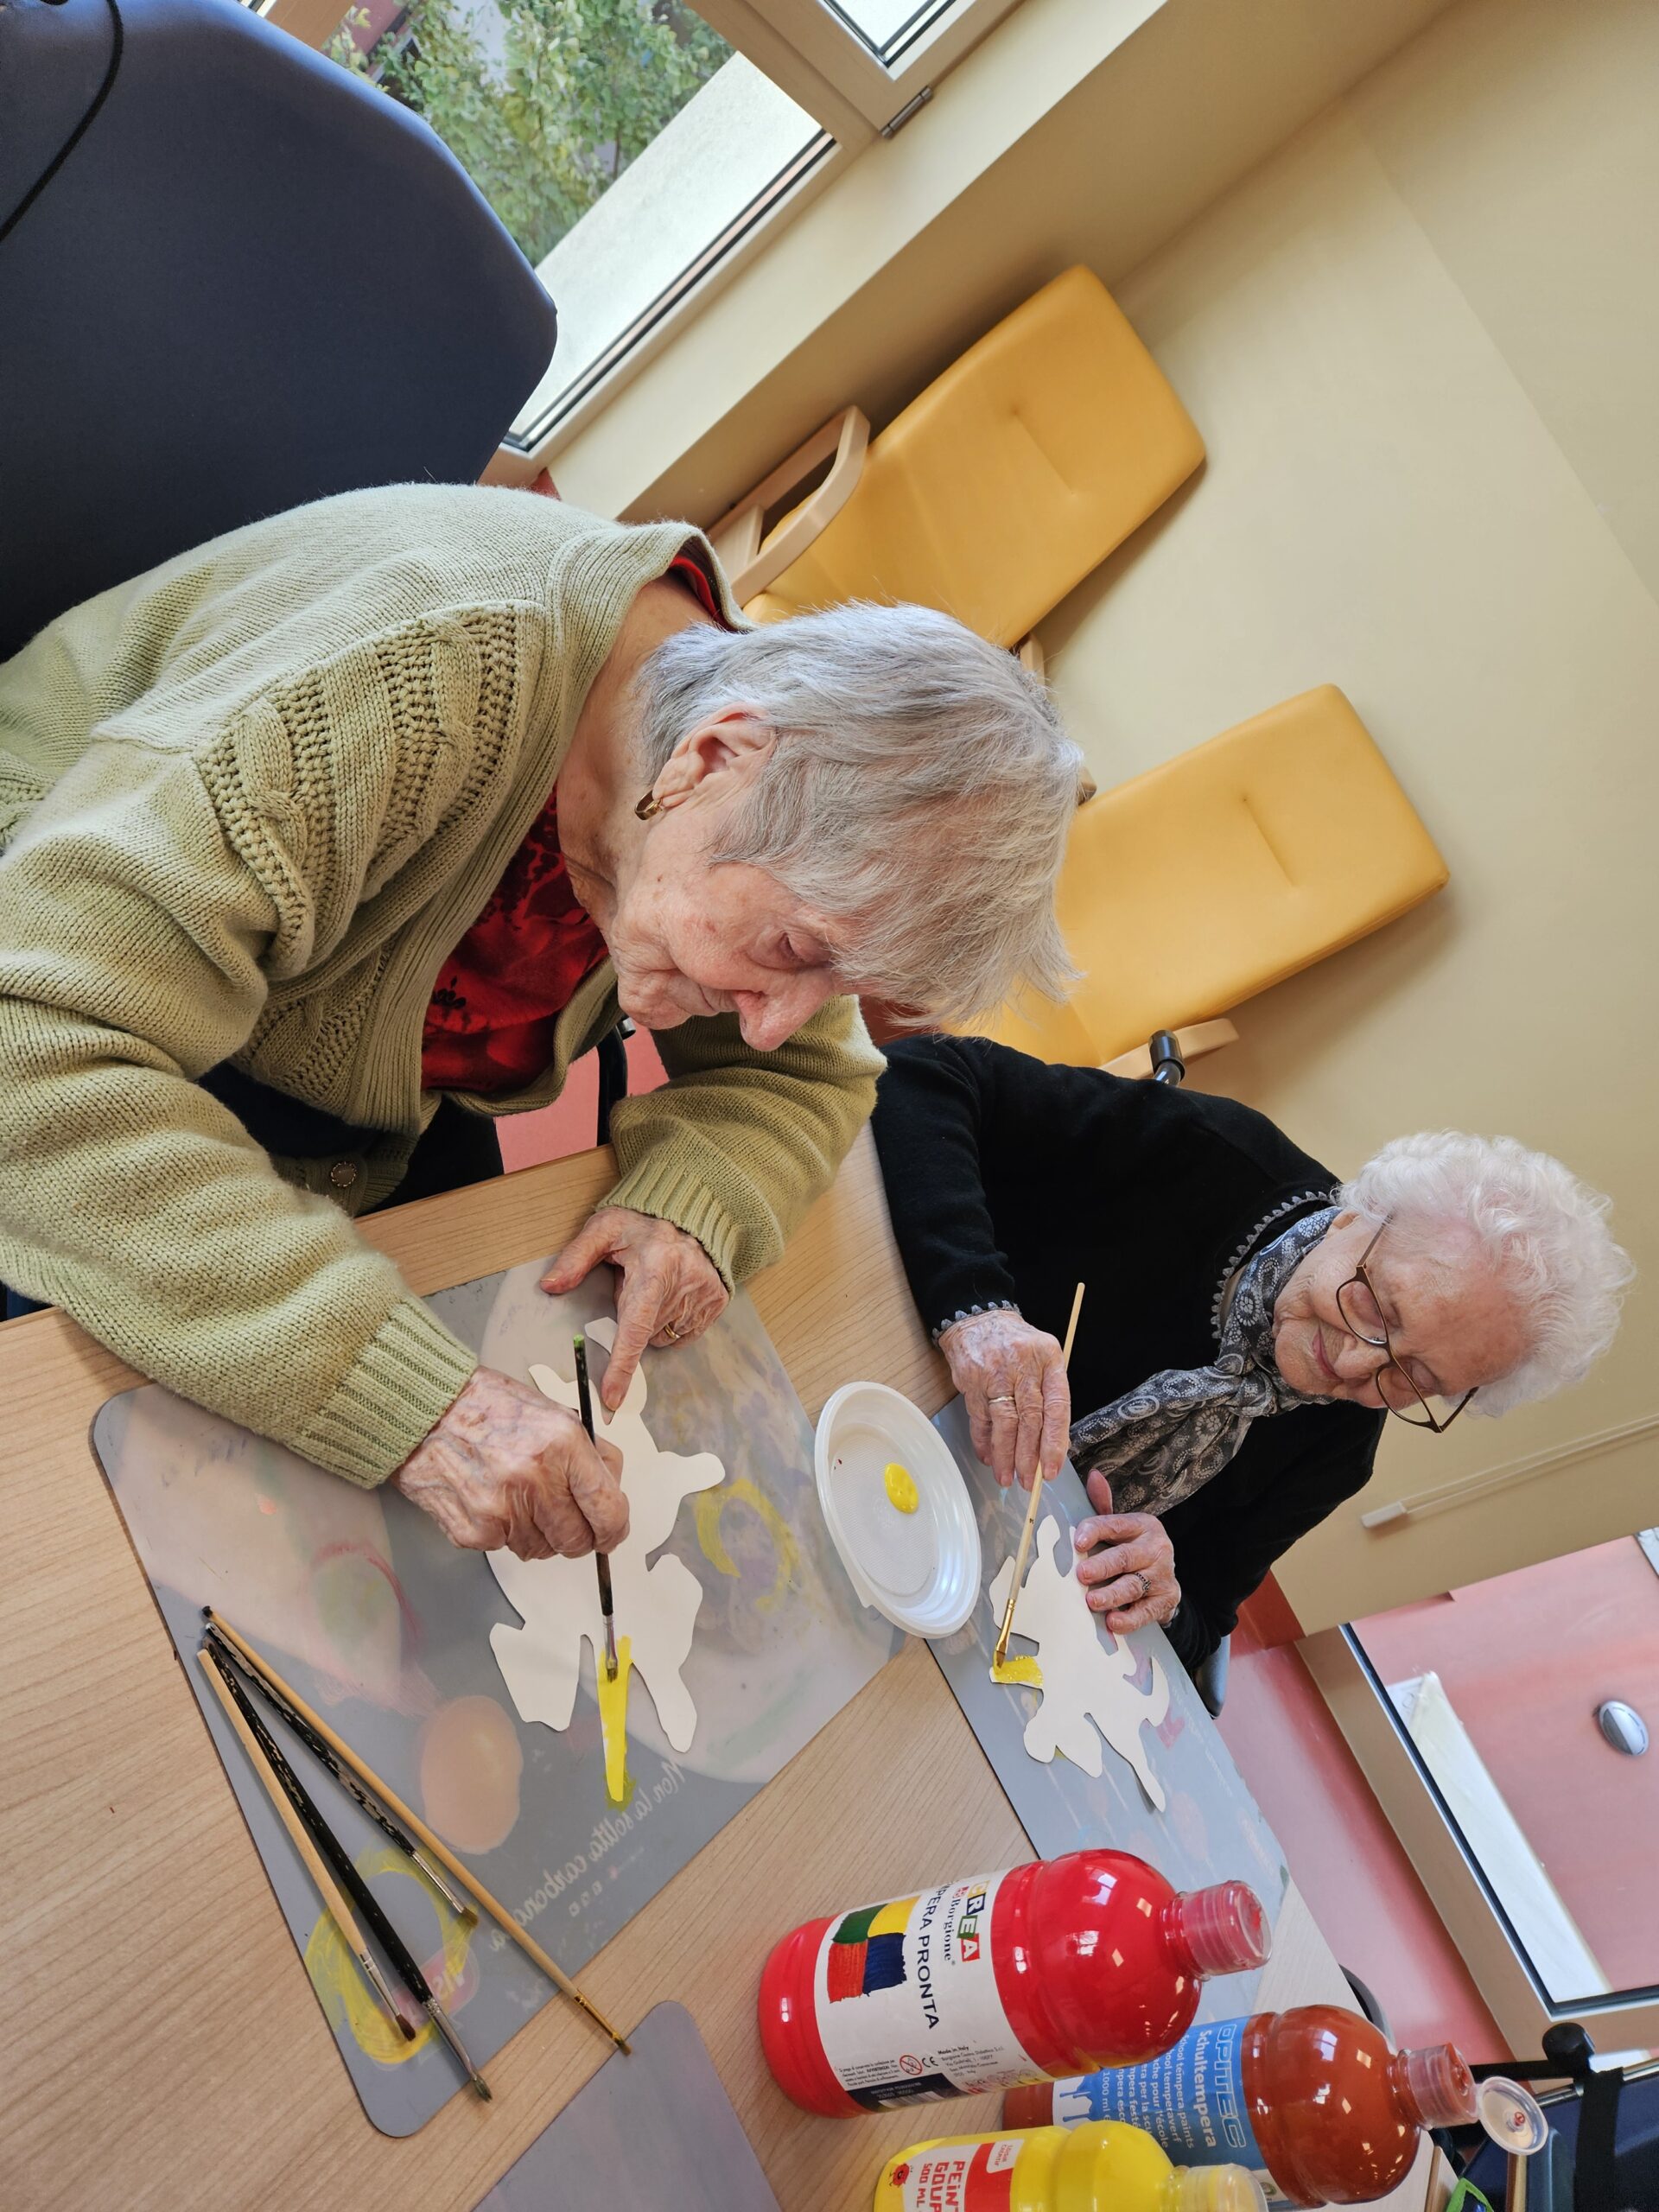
(920, 791)
(1543, 1232)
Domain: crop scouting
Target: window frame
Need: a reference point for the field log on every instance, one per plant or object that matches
(815, 56)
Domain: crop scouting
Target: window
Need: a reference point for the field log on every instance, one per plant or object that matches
(633, 147)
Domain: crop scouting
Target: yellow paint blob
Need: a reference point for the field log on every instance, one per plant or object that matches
(613, 1721)
(347, 1998)
(1018, 1670)
(901, 1487)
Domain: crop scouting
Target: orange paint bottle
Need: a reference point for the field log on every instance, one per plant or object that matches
(1314, 2099)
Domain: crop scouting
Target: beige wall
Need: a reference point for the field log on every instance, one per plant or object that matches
(1421, 343)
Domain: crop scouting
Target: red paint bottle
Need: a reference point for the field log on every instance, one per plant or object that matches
(1312, 2100)
(1088, 1960)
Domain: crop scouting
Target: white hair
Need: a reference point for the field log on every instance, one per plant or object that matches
(1543, 1232)
(919, 791)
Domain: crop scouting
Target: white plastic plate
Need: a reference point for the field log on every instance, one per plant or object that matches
(922, 1569)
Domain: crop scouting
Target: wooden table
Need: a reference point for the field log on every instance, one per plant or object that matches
(162, 2047)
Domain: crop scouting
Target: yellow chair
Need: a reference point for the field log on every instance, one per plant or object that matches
(996, 491)
(1221, 873)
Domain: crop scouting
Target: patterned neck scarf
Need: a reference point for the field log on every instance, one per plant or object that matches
(1159, 1443)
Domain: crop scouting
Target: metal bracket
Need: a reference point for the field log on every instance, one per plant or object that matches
(891, 130)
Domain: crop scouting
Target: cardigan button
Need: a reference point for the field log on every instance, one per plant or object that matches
(343, 1174)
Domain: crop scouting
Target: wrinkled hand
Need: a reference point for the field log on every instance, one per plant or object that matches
(1012, 1378)
(1136, 1545)
(506, 1468)
(670, 1290)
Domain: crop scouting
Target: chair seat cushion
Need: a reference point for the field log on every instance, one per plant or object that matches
(1012, 477)
(1223, 871)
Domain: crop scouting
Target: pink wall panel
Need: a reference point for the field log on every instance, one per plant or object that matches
(567, 1124)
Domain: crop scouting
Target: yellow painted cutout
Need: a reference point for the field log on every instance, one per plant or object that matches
(1018, 1670)
(901, 1487)
(613, 1721)
(710, 1505)
(346, 1998)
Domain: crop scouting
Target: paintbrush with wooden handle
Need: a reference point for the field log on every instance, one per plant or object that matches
(327, 1888)
(1024, 1553)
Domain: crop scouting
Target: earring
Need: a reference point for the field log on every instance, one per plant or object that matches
(648, 806)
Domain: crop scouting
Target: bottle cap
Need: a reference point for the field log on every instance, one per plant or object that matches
(1217, 2188)
(1511, 2116)
(1225, 1928)
(1438, 2085)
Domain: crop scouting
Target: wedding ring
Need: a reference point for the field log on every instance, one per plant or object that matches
(1146, 1586)
(1004, 1401)
(670, 1332)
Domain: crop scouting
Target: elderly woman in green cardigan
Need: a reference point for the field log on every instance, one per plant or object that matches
(387, 807)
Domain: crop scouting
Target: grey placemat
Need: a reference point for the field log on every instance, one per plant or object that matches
(360, 1602)
(652, 2133)
(1211, 1828)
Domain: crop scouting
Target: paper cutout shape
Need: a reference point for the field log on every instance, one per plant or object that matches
(1087, 1672)
(656, 1601)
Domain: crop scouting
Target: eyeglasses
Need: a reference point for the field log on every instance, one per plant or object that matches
(1361, 1312)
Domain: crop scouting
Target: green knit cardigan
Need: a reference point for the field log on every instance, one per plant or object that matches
(249, 804)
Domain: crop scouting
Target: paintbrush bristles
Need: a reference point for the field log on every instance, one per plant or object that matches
(1000, 1651)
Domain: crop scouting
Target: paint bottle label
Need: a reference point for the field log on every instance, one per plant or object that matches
(1191, 2100)
(908, 2004)
(959, 2177)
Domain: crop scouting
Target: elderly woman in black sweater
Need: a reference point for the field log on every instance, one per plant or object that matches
(1232, 1280)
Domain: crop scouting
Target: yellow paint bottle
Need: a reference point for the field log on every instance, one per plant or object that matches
(1103, 2166)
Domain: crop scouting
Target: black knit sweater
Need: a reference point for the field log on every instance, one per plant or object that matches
(1009, 1179)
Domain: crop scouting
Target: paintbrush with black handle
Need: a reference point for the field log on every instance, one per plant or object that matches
(461, 1907)
(338, 1861)
(607, 1603)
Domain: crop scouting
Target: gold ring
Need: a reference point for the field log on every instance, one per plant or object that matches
(670, 1332)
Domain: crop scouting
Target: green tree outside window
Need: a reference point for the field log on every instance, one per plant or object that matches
(582, 87)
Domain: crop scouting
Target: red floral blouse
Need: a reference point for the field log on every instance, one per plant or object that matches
(489, 1027)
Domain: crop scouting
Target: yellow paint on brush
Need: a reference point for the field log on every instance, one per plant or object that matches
(901, 1487)
(1017, 1670)
(613, 1721)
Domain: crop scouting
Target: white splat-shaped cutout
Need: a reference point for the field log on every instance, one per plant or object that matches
(1087, 1674)
(656, 1601)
